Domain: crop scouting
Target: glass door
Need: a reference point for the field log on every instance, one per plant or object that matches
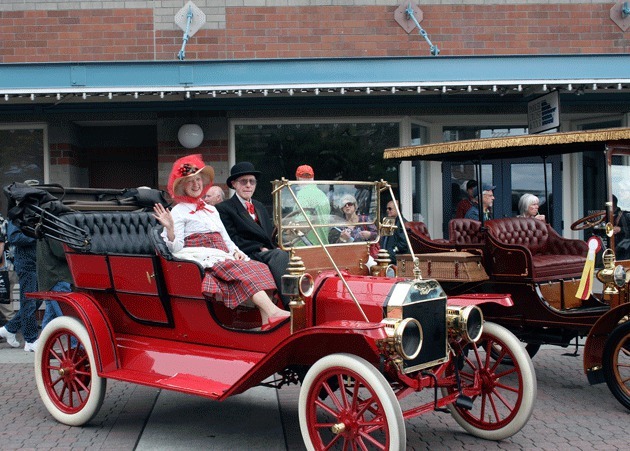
(511, 179)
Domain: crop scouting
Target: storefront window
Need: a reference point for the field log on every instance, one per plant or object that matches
(336, 151)
(21, 157)
(459, 133)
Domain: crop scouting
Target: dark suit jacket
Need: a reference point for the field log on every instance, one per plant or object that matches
(395, 244)
(248, 235)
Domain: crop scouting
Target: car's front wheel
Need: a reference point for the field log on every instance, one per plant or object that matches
(65, 372)
(616, 363)
(497, 373)
(345, 403)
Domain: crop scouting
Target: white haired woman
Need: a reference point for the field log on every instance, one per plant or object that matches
(528, 206)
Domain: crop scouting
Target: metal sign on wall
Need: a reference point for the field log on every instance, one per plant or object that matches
(543, 113)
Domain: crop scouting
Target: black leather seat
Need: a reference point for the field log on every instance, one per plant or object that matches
(158, 242)
(116, 232)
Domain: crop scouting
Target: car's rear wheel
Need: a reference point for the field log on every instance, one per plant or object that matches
(345, 403)
(499, 376)
(65, 372)
(616, 363)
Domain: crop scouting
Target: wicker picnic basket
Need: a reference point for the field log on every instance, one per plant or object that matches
(444, 266)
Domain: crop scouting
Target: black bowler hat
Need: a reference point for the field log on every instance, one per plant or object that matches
(239, 169)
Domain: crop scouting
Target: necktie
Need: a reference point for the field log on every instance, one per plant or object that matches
(251, 210)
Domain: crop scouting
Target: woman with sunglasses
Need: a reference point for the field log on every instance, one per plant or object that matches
(363, 232)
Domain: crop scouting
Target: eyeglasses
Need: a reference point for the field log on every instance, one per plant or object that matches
(349, 204)
(244, 182)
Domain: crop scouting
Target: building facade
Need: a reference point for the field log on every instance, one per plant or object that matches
(94, 93)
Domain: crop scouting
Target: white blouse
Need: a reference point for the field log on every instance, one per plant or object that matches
(201, 221)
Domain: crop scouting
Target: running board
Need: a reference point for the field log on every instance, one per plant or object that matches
(184, 367)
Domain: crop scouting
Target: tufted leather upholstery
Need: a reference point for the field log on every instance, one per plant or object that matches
(421, 241)
(465, 231)
(116, 232)
(158, 242)
(468, 238)
(530, 248)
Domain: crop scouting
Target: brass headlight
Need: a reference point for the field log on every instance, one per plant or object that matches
(405, 336)
(466, 322)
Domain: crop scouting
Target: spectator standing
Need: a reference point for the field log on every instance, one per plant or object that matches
(25, 267)
(248, 224)
(312, 198)
(464, 205)
(53, 274)
(6, 310)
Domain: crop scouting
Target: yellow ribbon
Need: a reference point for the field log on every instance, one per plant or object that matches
(585, 289)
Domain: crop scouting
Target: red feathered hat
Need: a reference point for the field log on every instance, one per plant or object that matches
(185, 167)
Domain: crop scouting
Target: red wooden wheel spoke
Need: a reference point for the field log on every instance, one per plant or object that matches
(353, 404)
(495, 387)
(70, 390)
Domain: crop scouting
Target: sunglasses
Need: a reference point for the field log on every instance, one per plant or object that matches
(349, 204)
(389, 208)
(244, 182)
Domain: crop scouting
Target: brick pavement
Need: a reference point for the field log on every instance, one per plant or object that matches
(569, 414)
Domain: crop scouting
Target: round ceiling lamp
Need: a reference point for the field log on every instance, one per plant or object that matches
(190, 135)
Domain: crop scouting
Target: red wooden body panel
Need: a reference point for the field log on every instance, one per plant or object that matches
(182, 278)
(333, 302)
(89, 271)
(143, 307)
(134, 274)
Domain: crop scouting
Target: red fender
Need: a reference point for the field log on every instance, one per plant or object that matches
(95, 321)
(596, 340)
(481, 298)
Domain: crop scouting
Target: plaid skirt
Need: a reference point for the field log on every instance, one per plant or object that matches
(235, 280)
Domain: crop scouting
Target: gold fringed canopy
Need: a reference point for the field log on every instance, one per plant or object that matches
(548, 143)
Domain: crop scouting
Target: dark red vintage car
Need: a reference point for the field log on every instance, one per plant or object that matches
(357, 340)
(528, 259)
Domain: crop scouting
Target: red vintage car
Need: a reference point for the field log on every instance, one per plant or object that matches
(541, 270)
(358, 339)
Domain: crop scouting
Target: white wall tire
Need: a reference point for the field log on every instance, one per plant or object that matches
(508, 385)
(66, 374)
(348, 413)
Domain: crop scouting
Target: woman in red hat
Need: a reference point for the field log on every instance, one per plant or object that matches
(192, 223)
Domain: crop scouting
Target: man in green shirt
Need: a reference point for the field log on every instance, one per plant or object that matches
(313, 200)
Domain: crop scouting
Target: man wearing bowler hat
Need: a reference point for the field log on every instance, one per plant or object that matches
(248, 224)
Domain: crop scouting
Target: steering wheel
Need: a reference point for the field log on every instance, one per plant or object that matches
(589, 221)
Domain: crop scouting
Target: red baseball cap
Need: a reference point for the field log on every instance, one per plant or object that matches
(305, 171)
